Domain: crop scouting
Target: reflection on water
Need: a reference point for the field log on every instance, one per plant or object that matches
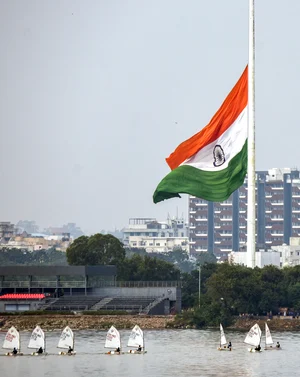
(185, 353)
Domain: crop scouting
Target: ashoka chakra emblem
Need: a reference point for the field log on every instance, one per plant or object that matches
(219, 155)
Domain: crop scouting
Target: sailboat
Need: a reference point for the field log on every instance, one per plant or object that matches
(37, 341)
(113, 340)
(136, 339)
(269, 340)
(67, 341)
(11, 341)
(223, 342)
(253, 338)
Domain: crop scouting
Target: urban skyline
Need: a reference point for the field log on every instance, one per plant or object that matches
(93, 99)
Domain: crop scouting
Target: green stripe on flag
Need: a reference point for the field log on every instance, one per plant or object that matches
(215, 186)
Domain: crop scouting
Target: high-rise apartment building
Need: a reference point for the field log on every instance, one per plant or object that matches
(220, 228)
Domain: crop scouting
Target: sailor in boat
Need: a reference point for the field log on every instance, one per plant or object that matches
(258, 348)
(278, 345)
(139, 349)
(117, 349)
(229, 345)
(40, 350)
(15, 351)
(70, 350)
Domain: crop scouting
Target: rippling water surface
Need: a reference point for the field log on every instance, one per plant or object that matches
(170, 353)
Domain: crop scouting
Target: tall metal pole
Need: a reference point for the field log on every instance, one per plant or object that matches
(251, 215)
(199, 284)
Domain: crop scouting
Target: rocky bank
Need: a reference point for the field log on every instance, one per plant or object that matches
(102, 322)
(83, 322)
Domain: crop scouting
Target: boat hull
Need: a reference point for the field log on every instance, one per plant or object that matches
(224, 349)
(272, 348)
(38, 354)
(114, 353)
(73, 353)
(254, 350)
(135, 352)
(11, 354)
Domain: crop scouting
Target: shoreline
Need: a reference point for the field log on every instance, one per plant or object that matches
(103, 322)
(83, 322)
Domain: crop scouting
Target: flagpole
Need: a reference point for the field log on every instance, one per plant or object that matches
(251, 215)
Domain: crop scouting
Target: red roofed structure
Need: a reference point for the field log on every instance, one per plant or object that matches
(23, 296)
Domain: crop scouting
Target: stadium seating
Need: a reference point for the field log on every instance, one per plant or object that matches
(74, 303)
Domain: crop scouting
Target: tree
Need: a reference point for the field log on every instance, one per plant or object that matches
(97, 249)
(139, 268)
(205, 257)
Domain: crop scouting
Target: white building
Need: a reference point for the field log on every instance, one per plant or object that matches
(289, 254)
(262, 258)
(155, 236)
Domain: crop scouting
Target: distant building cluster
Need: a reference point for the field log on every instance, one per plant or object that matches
(156, 236)
(25, 236)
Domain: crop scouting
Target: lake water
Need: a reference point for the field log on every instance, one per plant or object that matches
(170, 353)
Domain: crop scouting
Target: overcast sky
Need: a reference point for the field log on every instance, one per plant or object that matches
(95, 94)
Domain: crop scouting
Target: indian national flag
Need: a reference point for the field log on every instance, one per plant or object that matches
(213, 163)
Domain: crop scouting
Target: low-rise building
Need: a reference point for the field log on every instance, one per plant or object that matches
(289, 254)
(262, 258)
(156, 236)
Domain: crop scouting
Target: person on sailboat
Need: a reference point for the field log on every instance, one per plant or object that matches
(117, 349)
(258, 348)
(15, 351)
(40, 350)
(70, 350)
(139, 349)
(229, 345)
(278, 345)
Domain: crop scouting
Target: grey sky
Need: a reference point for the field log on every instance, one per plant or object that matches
(95, 94)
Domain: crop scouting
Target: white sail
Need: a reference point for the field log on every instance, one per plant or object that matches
(136, 337)
(12, 339)
(37, 338)
(66, 339)
(269, 340)
(113, 339)
(254, 335)
(223, 337)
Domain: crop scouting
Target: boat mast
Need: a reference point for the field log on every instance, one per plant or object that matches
(251, 215)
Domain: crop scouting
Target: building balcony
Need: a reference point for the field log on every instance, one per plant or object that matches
(201, 204)
(224, 219)
(201, 234)
(201, 219)
(277, 219)
(192, 211)
(226, 235)
(277, 234)
(276, 188)
(277, 204)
